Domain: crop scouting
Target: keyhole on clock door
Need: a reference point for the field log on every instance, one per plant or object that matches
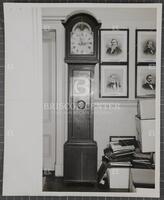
(81, 104)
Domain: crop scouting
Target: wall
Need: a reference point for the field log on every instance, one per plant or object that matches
(23, 101)
(119, 121)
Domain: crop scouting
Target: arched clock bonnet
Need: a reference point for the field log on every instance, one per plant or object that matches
(81, 38)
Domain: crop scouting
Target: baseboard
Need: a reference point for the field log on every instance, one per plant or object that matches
(59, 170)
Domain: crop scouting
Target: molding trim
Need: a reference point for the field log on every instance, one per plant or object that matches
(59, 170)
(53, 18)
(115, 103)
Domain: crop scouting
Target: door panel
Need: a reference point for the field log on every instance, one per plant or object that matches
(80, 93)
(80, 164)
(81, 102)
(90, 163)
(48, 100)
(72, 169)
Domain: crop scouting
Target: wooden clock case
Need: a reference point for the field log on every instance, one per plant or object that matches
(80, 150)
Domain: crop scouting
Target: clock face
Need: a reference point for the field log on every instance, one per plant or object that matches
(81, 39)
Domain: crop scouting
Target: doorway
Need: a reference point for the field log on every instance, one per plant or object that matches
(49, 99)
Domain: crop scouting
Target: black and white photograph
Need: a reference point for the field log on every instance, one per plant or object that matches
(113, 81)
(146, 81)
(81, 111)
(114, 45)
(146, 45)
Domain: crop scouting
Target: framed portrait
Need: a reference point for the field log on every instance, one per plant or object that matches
(145, 81)
(146, 45)
(114, 45)
(113, 81)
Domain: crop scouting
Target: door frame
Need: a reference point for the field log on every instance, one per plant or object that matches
(61, 90)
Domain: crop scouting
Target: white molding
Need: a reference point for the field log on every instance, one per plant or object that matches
(59, 170)
(53, 18)
(61, 75)
(117, 103)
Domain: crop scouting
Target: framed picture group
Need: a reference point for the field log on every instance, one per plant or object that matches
(114, 62)
(145, 63)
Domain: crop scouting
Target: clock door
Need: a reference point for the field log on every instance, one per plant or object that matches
(80, 102)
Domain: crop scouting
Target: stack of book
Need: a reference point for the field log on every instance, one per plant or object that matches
(124, 153)
(143, 160)
(119, 151)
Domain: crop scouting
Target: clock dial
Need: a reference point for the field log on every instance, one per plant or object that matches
(81, 39)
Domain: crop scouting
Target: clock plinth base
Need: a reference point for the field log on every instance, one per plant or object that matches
(80, 163)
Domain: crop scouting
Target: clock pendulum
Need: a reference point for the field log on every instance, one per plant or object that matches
(81, 55)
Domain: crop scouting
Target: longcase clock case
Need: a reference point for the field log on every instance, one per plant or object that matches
(80, 150)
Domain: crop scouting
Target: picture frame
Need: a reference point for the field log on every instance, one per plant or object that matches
(145, 81)
(114, 81)
(114, 45)
(145, 46)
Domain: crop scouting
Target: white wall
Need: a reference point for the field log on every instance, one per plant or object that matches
(115, 121)
(23, 101)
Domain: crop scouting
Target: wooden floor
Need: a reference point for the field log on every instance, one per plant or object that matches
(52, 183)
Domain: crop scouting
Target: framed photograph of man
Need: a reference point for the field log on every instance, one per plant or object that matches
(113, 81)
(146, 81)
(114, 45)
(146, 45)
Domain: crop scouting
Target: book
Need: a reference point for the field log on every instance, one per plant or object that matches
(139, 155)
(128, 142)
(116, 147)
(142, 164)
(122, 154)
(120, 164)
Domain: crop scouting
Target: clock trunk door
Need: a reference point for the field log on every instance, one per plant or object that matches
(80, 113)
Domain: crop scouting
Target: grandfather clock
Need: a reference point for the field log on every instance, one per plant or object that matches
(80, 150)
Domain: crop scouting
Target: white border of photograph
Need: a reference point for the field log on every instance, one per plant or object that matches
(114, 81)
(143, 36)
(33, 184)
(121, 37)
(142, 73)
